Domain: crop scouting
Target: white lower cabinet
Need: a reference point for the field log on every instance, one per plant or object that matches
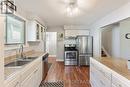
(35, 78)
(102, 76)
(14, 83)
(113, 85)
(30, 76)
(118, 82)
(98, 77)
(28, 82)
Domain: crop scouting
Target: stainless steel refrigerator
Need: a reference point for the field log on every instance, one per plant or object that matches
(85, 49)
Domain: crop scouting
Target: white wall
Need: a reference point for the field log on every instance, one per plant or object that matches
(107, 40)
(60, 43)
(111, 40)
(116, 41)
(117, 15)
(125, 43)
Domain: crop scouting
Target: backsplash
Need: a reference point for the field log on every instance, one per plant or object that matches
(31, 46)
(12, 52)
(70, 41)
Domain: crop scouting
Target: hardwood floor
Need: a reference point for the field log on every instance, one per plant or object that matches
(72, 76)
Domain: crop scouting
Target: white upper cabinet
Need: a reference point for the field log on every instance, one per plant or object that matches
(75, 33)
(35, 31)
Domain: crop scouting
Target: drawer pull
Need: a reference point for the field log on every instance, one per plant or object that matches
(102, 83)
(16, 84)
(36, 71)
(120, 85)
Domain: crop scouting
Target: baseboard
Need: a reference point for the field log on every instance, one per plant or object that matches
(60, 60)
(52, 55)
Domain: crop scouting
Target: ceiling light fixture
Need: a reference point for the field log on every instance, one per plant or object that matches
(72, 8)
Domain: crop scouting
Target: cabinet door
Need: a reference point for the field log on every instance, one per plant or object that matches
(42, 33)
(119, 82)
(38, 76)
(97, 75)
(29, 81)
(15, 82)
(37, 31)
(113, 85)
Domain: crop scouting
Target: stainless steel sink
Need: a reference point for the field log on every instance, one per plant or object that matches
(20, 62)
(16, 63)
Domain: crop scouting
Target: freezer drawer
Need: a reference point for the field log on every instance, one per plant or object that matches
(84, 60)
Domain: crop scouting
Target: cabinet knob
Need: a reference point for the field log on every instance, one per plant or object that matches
(36, 71)
(16, 84)
(120, 85)
(102, 83)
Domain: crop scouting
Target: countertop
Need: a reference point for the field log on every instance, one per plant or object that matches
(11, 71)
(117, 65)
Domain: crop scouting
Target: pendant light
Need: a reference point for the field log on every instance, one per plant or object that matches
(8, 7)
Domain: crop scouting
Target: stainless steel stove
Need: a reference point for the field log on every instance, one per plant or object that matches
(70, 54)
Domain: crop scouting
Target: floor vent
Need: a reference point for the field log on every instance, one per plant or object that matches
(52, 84)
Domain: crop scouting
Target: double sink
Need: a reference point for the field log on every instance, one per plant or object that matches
(18, 63)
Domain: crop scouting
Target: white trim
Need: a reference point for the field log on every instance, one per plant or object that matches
(106, 52)
(60, 60)
(52, 55)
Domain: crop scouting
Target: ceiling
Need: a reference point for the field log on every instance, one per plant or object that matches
(53, 12)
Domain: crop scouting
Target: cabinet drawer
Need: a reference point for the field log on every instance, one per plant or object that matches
(26, 72)
(113, 85)
(93, 81)
(106, 73)
(14, 83)
(102, 69)
(103, 81)
(118, 82)
(99, 80)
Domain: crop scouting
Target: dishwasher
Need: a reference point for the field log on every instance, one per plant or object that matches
(45, 65)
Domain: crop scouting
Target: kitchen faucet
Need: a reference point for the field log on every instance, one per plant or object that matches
(21, 51)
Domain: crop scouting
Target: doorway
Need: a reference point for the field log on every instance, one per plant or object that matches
(51, 44)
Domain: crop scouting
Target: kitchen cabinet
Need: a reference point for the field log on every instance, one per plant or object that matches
(33, 80)
(28, 82)
(15, 82)
(43, 33)
(74, 33)
(35, 77)
(38, 76)
(99, 77)
(118, 82)
(29, 76)
(102, 76)
(35, 31)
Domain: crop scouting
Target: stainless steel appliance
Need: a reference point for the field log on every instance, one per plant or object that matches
(85, 49)
(45, 65)
(70, 54)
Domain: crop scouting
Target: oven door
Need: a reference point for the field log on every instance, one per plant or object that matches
(70, 55)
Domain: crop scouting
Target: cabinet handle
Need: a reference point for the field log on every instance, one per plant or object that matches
(120, 85)
(103, 72)
(16, 84)
(36, 71)
(102, 83)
